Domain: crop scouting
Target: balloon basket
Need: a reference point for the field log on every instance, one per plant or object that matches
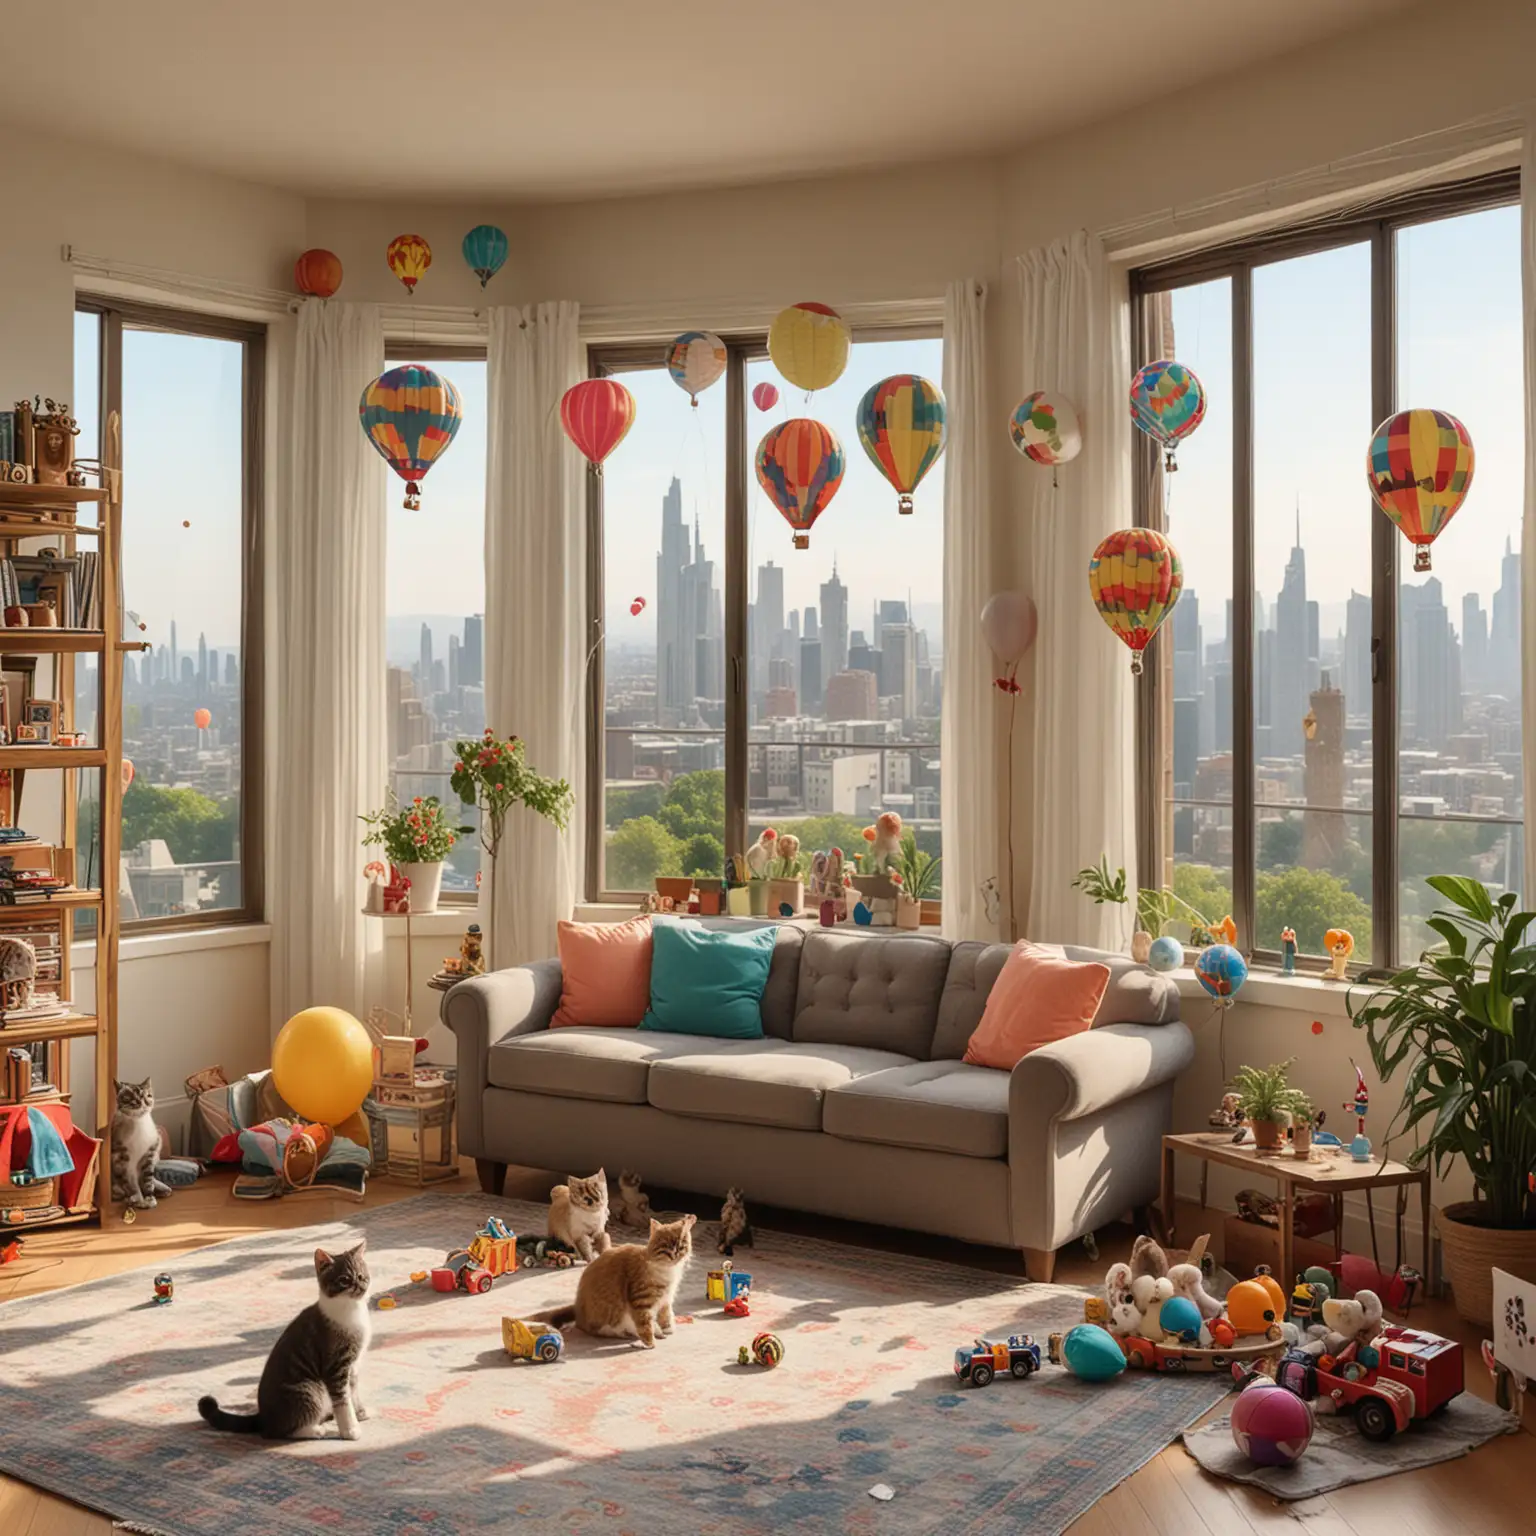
(412, 497)
(904, 505)
(1421, 557)
(802, 541)
(1170, 464)
(1136, 667)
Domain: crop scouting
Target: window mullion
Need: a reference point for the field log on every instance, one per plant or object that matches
(737, 588)
(1244, 906)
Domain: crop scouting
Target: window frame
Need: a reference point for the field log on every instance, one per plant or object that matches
(114, 315)
(1376, 224)
(742, 349)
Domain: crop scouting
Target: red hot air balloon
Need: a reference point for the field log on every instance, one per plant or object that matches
(765, 396)
(637, 607)
(202, 718)
(596, 414)
(800, 464)
(318, 272)
(127, 772)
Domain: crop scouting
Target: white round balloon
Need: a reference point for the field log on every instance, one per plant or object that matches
(695, 360)
(1045, 428)
(1009, 622)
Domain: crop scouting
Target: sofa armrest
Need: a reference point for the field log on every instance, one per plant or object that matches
(487, 1009)
(1060, 1191)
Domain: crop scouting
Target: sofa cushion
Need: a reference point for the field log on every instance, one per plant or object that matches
(586, 1063)
(762, 1082)
(783, 982)
(938, 1106)
(1041, 996)
(1135, 995)
(881, 992)
(605, 973)
(708, 981)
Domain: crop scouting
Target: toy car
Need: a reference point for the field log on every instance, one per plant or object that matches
(1018, 1354)
(493, 1252)
(522, 1343)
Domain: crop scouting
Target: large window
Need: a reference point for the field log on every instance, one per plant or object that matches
(189, 389)
(1323, 728)
(435, 613)
(740, 682)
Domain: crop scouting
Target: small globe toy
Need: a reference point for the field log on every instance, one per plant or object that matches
(1221, 970)
(1180, 1317)
(1270, 1426)
(1092, 1353)
(1165, 955)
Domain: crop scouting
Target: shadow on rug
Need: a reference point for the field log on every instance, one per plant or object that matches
(99, 1391)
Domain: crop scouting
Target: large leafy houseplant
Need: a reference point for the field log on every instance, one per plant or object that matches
(1462, 1021)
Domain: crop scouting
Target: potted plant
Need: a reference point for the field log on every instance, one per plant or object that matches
(1104, 889)
(416, 839)
(786, 876)
(918, 881)
(1267, 1101)
(1462, 1023)
(494, 775)
(1303, 1118)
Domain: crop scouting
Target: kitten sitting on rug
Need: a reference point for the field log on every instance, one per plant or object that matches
(578, 1215)
(627, 1292)
(311, 1374)
(136, 1146)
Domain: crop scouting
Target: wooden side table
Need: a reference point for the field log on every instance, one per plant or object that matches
(1325, 1172)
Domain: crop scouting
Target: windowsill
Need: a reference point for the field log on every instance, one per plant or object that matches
(1268, 989)
(175, 941)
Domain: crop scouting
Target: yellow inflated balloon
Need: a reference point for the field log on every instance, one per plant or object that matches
(809, 345)
(322, 1064)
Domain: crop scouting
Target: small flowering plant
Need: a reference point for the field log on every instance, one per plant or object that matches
(417, 833)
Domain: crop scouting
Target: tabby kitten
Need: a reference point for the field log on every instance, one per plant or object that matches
(578, 1215)
(627, 1292)
(311, 1374)
(136, 1146)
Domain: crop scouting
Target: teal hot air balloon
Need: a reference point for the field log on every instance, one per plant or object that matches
(485, 250)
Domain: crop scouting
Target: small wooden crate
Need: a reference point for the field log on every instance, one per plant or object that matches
(413, 1132)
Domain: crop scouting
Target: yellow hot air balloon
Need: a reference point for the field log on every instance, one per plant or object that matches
(409, 256)
(1135, 578)
(809, 345)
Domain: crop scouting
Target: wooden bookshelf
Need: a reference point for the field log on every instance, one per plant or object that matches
(46, 782)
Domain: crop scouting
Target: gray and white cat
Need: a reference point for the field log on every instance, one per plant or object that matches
(578, 1214)
(136, 1146)
(311, 1374)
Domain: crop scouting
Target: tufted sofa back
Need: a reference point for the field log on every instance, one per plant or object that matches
(857, 989)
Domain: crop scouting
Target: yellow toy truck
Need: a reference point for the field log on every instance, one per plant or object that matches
(522, 1343)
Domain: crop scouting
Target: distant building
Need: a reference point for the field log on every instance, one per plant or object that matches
(1323, 836)
(852, 696)
(834, 626)
(811, 695)
(779, 702)
(844, 786)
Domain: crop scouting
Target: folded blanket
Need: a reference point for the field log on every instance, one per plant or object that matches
(49, 1156)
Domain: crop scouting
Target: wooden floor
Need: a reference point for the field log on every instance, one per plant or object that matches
(1479, 1495)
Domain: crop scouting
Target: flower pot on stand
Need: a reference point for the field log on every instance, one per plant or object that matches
(426, 884)
(782, 893)
(1473, 1251)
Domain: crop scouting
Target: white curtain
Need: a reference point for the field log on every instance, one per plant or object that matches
(1528, 524)
(537, 636)
(971, 799)
(329, 619)
(1076, 321)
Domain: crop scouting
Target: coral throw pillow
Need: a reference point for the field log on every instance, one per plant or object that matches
(605, 973)
(1038, 997)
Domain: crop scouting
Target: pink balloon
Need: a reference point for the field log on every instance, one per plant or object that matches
(1009, 622)
(765, 396)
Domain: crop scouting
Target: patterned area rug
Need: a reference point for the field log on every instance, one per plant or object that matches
(99, 1386)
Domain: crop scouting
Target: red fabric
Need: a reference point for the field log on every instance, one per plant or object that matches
(227, 1148)
(16, 1144)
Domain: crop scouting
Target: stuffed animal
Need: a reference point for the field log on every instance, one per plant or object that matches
(1187, 1281)
(1148, 1258)
(634, 1203)
(734, 1226)
(1124, 1317)
(1148, 1293)
(787, 854)
(884, 854)
(1356, 1321)
(761, 854)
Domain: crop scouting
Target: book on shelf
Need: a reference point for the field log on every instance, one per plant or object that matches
(44, 1005)
(68, 582)
(31, 1070)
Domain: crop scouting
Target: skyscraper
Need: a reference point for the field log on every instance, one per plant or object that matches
(1323, 837)
(810, 631)
(424, 665)
(1357, 656)
(811, 692)
(689, 620)
(1503, 630)
(175, 659)
(1474, 644)
(834, 626)
(202, 662)
(1429, 667)
(1295, 655)
(455, 663)
(472, 659)
(898, 666)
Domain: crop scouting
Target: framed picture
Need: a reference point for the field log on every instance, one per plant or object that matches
(42, 715)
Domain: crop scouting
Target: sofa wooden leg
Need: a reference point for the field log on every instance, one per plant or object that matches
(493, 1176)
(1040, 1264)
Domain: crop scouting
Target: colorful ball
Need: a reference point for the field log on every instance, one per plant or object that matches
(1270, 1426)
(1276, 1294)
(768, 1350)
(1181, 1317)
(322, 1064)
(1221, 970)
(1165, 955)
(1092, 1353)
(1250, 1308)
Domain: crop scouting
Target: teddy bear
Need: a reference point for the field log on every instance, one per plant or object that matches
(884, 856)
(1357, 1321)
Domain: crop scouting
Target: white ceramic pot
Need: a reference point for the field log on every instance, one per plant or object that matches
(426, 884)
(909, 912)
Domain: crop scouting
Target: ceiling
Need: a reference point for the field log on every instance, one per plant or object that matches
(553, 99)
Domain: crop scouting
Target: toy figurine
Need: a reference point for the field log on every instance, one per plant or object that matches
(726, 1284)
(165, 1290)
(376, 875)
(634, 1203)
(472, 952)
(1230, 1115)
(1287, 951)
(740, 1305)
(734, 1226)
(1360, 1147)
(1340, 944)
(743, 1356)
(1224, 932)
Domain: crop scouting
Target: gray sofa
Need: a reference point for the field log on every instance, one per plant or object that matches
(854, 1104)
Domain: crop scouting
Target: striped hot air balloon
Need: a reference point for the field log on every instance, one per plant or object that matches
(596, 414)
(409, 256)
(765, 396)
(411, 415)
(800, 464)
(1167, 403)
(1420, 468)
(1135, 578)
(809, 345)
(901, 425)
(695, 360)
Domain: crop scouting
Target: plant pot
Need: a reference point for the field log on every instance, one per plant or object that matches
(1301, 1140)
(678, 887)
(711, 898)
(1266, 1134)
(909, 912)
(426, 883)
(784, 892)
(875, 888)
(757, 897)
(1472, 1252)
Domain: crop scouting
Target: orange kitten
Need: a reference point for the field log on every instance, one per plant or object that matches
(627, 1292)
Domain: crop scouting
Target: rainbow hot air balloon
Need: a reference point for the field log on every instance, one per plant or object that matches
(409, 256)
(1420, 468)
(695, 360)
(901, 425)
(1135, 578)
(596, 414)
(485, 251)
(411, 415)
(1045, 428)
(1167, 403)
(800, 464)
(809, 345)
(765, 396)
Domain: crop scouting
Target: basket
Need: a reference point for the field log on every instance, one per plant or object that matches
(1472, 1252)
(27, 1197)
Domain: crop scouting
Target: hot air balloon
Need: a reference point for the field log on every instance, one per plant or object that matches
(410, 415)
(1420, 468)
(809, 345)
(485, 249)
(127, 773)
(1167, 403)
(695, 360)
(202, 718)
(1135, 578)
(637, 607)
(800, 464)
(318, 272)
(765, 396)
(596, 414)
(901, 425)
(409, 256)
(1045, 428)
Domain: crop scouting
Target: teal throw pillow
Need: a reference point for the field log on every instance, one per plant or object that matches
(708, 981)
